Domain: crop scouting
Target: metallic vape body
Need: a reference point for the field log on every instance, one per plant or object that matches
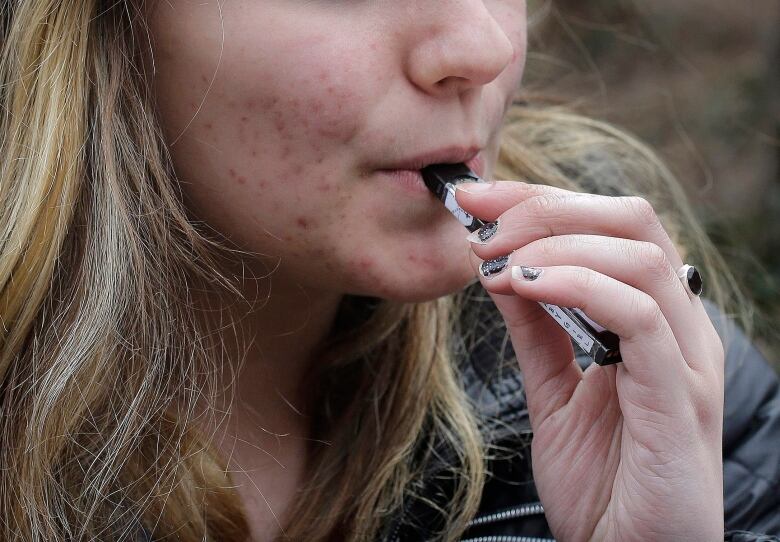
(599, 343)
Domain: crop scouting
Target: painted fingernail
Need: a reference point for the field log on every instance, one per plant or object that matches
(488, 268)
(520, 272)
(483, 234)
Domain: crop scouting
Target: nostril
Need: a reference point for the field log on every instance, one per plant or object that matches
(451, 80)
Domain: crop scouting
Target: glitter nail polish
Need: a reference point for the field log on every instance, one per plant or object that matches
(484, 234)
(488, 268)
(526, 273)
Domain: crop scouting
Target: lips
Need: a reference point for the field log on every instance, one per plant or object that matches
(471, 156)
(411, 180)
(477, 164)
(447, 155)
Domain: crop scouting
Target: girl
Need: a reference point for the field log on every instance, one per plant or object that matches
(232, 311)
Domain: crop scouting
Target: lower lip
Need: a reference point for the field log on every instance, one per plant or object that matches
(411, 180)
(407, 179)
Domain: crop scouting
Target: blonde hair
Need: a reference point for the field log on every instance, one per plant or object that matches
(102, 361)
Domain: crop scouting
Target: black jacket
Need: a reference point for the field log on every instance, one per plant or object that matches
(510, 510)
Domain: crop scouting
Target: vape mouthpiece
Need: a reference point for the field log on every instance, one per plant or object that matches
(441, 180)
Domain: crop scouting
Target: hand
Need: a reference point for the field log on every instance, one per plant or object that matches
(622, 452)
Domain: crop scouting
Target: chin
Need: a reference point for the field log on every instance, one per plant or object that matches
(415, 288)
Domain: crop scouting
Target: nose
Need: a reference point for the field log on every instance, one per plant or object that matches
(462, 48)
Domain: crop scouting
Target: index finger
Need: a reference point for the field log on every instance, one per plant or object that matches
(496, 197)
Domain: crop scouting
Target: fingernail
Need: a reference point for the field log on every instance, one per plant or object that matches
(475, 188)
(488, 268)
(520, 272)
(483, 234)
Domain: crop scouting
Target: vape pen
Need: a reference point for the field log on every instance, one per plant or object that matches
(599, 343)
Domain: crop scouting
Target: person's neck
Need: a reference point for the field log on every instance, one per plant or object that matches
(267, 435)
(272, 346)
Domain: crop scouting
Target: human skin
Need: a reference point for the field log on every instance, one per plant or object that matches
(308, 100)
(279, 115)
(622, 452)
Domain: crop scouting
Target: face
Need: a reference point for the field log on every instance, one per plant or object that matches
(290, 123)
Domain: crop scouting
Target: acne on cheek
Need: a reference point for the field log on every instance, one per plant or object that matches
(369, 277)
(240, 179)
(320, 115)
(305, 223)
(295, 124)
(365, 266)
(319, 112)
(329, 120)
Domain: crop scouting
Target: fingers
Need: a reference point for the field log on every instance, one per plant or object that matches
(647, 344)
(496, 197)
(639, 264)
(616, 263)
(527, 212)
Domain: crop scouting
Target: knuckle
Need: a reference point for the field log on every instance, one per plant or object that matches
(648, 314)
(655, 261)
(528, 191)
(541, 205)
(549, 247)
(642, 209)
(585, 280)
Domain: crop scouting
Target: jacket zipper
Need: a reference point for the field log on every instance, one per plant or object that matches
(507, 538)
(394, 537)
(529, 509)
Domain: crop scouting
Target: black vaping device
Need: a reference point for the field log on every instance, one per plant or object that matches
(599, 343)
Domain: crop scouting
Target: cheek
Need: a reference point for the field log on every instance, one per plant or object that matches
(297, 108)
(304, 117)
(268, 137)
(269, 152)
(294, 126)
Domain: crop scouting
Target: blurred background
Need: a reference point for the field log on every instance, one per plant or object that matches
(700, 82)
